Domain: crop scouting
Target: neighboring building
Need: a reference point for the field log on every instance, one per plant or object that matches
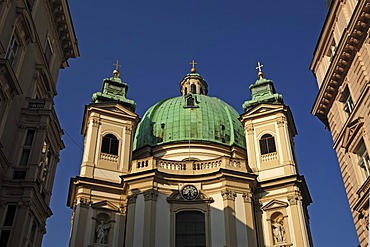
(190, 172)
(36, 40)
(341, 65)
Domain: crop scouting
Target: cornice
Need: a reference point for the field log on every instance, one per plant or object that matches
(352, 39)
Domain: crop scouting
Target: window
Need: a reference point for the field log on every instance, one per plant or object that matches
(267, 144)
(12, 50)
(7, 224)
(33, 231)
(363, 159)
(186, 91)
(193, 88)
(190, 229)
(48, 51)
(347, 101)
(110, 144)
(45, 161)
(27, 146)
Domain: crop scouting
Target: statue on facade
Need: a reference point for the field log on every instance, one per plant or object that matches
(278, 231)
(102, 233)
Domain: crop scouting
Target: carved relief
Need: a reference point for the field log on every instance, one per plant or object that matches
(247, 197)
(131, 199)
(228, 195)
(151, 195)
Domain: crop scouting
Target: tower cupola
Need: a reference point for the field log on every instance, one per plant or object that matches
(193, 83)
(114, 90)
(263, 91)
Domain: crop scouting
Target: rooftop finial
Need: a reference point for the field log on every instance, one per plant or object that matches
(193, 63)
(260, 73)
(116, 71)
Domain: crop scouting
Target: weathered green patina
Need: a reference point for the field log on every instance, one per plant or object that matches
(263, 91)
(114, 90)
(194, 117)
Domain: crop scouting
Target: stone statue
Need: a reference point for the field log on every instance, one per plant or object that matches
(102, 233)
(278, 231)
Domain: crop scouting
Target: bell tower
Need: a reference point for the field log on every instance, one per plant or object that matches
(282, 197)
(96, 195)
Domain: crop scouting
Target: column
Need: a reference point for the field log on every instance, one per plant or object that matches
(249, 214)
(130, 214)
(150, 197)
(229, 216)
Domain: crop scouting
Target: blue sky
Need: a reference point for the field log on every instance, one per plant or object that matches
(155, 41)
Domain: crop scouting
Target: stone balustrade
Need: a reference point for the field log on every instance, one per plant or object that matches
(188, 167)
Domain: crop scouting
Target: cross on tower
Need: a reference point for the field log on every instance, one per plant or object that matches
(259, 67)
(193, 63)
(117, 64)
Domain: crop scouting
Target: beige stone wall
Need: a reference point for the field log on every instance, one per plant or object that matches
(347, 71)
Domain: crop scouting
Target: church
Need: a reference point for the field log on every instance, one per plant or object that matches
(190, 172)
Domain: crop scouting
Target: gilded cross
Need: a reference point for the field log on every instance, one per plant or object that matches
(117, 64)
(193, 63)
(259, 67)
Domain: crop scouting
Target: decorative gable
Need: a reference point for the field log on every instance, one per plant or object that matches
(274, 204)
(105, 205)
(351, 132)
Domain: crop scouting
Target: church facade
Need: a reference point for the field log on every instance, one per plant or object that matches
(341, 64)
(190, 172)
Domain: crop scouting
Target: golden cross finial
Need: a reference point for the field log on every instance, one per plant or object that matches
(193, 63)
(116, 71)
(260, 73)
(117, 64)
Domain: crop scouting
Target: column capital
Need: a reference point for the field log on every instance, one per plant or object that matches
(132, 199)
(228, 194)
(247, 197)
(150, 195)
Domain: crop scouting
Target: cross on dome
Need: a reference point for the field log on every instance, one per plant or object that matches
(193, 63)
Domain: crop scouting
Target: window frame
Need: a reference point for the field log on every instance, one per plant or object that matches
(267, 144)
(108, 150)
(14, 44)
(192, 223)
(27, 147)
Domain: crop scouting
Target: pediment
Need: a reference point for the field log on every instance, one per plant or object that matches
(114, 108)
(105, 205)
(274, 204)
(351, 131)
(263, 108)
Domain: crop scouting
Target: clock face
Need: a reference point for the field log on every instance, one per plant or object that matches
(189, 192)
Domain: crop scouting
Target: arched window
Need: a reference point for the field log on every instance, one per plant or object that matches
(190, 229)
(186, 91)
(193, 88)
(110, 144)
(267, 144)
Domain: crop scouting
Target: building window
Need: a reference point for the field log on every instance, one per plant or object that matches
(193, 88)
(347, 101)
(110, 144)
(27, 146)
(12, 50)
(363, 159)
(190, 229)
(7, 224)
(48, 51)
(267, 144)
(44, 164)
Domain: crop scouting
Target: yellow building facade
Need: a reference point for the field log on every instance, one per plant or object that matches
(190, 172)
(341, 65)
(36, 41)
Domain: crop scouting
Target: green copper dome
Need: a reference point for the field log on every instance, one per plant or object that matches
(194, 117)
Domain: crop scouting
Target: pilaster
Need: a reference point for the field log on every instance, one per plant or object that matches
(229, 216)
(131, 204)
(150, 197)
(249, 213)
